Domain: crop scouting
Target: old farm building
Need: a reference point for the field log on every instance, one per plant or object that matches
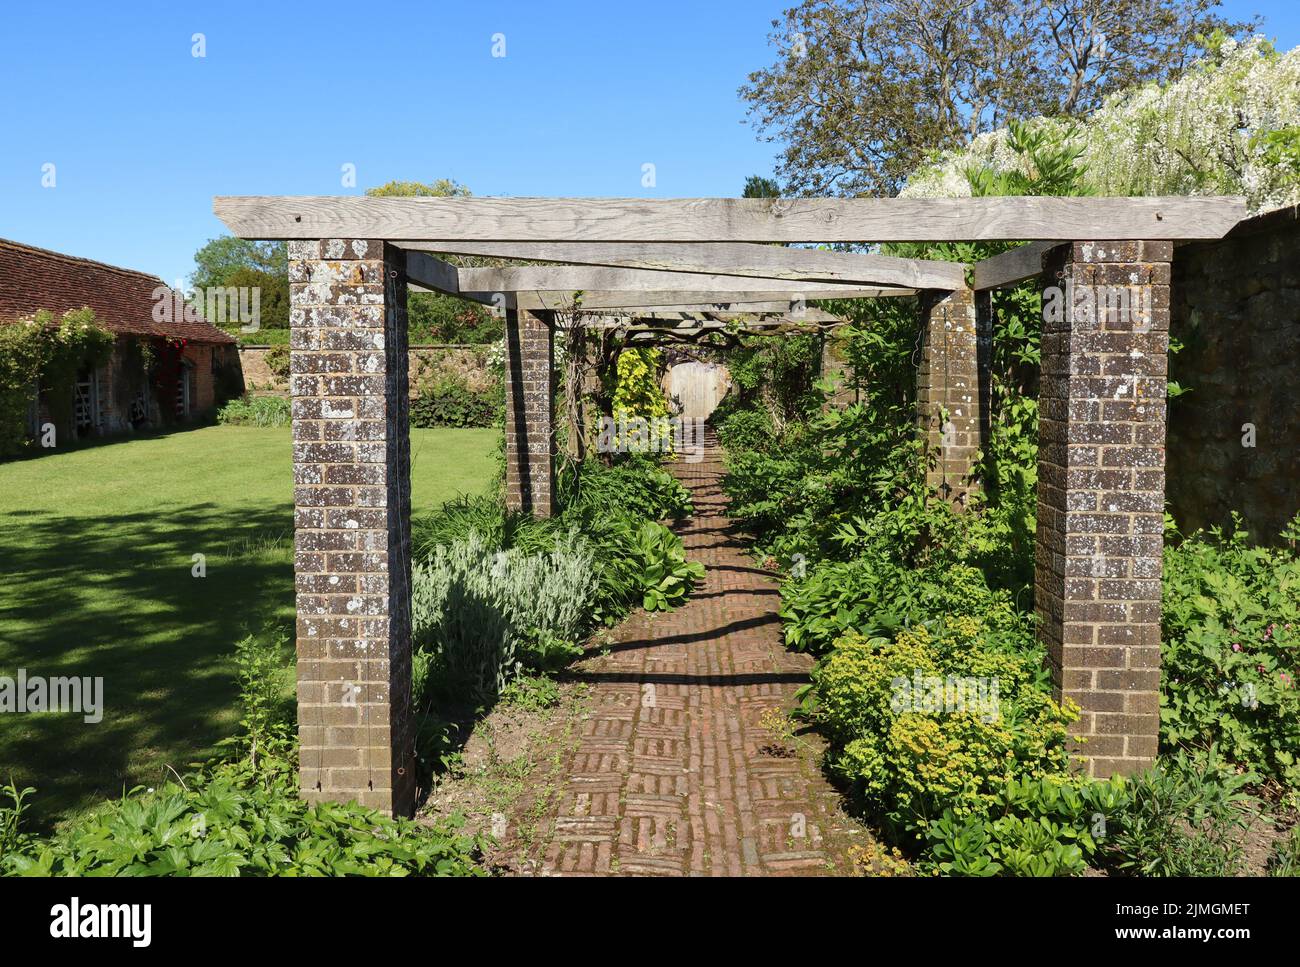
(159, 372)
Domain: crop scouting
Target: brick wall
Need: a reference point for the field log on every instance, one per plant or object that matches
(1101, 477)
(468, 361)
(351, 456)
(1236, 308)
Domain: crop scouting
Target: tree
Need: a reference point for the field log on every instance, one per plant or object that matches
(863, 91)
(442, 188)
(216, 261)
(230, 262)
(756, 186)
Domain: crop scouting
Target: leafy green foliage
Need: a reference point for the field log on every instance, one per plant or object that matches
(239, 816)
(485, 613)
(277, 360)
(41, 350)
(447, 399)
(638, 395)
(1186, 817)
(910, 763)
(501, 591)
(1050, 826)
(265, 411)
(666, 576)
(867, 596)
(230, 820)
(1231, 636)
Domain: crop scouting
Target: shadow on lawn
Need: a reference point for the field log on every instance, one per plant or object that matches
(114, 596)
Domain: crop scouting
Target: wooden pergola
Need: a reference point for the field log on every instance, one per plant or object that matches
(681, 266)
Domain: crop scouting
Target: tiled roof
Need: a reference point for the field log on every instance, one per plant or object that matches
(32, 279)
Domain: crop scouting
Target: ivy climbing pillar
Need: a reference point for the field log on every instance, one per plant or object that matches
(951, 392)
(1101, 478)
(530, 394)
(352, 521)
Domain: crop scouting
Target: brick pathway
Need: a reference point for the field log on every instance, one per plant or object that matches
(675, 772)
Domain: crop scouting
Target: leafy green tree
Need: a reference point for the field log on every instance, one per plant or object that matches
(442, 188)
(230, 262)
(216, 261)
(863, 91)
(756, 186)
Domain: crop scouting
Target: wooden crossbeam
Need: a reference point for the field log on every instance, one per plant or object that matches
(586, 278)
(745, 259)
(771, 300)
(686, 321)
(730, 219)
(1012, 267)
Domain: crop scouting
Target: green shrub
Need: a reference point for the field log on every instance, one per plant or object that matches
(1052, 826)
(637, 486)
(485, 613)
(1231, 636)
(447, 399)
(1285, 859)
(910, 762)
(277, 360)
(232, 820)
(637, 393)
(39, 350)
(866, 595)
(239, 816)
(745, 430)
(265, 411)
(1187, 816)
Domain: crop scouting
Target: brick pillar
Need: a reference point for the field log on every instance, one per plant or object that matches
(1101, 460)
(530, 392)
(352, 520)
(949, 392)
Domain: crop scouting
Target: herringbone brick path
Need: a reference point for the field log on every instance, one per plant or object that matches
(676, 771)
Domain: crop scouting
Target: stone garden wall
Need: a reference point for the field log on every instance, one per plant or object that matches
(425, 360)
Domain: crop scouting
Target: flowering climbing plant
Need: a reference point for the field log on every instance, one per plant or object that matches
(1225, 127)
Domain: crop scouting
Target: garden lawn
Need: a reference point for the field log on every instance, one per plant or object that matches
(97, 547)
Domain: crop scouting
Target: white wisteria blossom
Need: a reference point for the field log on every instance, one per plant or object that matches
(1199, 135)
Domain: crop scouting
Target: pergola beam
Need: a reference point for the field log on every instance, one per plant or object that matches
(757, 301)
(729, 219)
(585, 278)
(1013, 267)
(744, 259)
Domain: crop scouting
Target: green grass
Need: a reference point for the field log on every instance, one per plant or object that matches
(96, 551)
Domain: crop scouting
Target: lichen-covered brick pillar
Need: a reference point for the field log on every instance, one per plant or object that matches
(352, 521)
(1101, 459)
(530, 392)
(950, 394)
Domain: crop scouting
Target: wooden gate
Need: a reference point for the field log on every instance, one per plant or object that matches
(697, 388)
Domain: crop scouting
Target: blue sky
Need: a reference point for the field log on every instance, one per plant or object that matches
(142, 134)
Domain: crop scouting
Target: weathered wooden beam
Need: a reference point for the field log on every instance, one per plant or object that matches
(770, 300)
(730, 219)
(744, 259)
(1013, 267)
(586, 278)
(435, 275)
